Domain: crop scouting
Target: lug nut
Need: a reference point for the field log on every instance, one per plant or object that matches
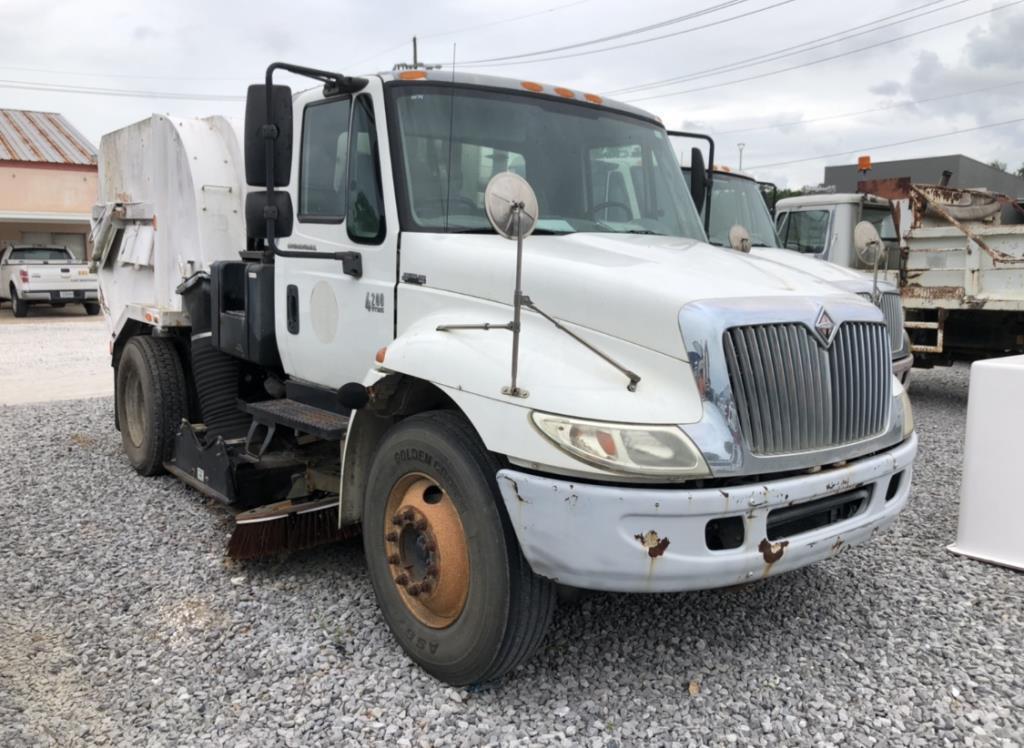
(430, 546)
(394, 559)
(396, 520)
(391, 537)
(402, 580)
(432, 570)
(420, 525)
(426, 587)
(408, 516)
(413, 589)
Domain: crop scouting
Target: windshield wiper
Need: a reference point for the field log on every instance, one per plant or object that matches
(488, 230)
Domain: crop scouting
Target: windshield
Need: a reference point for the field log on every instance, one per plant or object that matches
(804, 230)
(39, 254)
(736, 200)
(592, 169)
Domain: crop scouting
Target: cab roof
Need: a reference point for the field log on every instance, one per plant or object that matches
(826, 198)
(512, 84)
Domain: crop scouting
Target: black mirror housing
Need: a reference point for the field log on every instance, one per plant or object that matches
(698, 178)
(257, 206)
(256, 131)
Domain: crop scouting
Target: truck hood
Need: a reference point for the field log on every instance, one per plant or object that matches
(845, 278)
(627, 286)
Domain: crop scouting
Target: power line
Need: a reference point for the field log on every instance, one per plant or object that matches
(453, 32)
(827, 59)
(871, 27)
(631, 32)
(640, 41)
(896, 105)
(95, 91)
(888, 145)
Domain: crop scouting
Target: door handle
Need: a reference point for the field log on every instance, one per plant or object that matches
(292, 311)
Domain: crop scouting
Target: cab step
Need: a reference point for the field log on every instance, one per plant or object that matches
(300, 417)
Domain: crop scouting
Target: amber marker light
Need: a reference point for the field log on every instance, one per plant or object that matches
(565, 93)
(531, 86)
(593, 98)
(412, 75)
(379, 358)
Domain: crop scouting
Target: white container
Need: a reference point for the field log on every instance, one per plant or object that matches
(992, 492)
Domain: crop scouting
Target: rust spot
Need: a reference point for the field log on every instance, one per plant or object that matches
(772, 552)
(837, 546)
(655, 546)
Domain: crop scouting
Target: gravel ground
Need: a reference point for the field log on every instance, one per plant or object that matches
(122, 622)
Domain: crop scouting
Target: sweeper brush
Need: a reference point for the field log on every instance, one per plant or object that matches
(287, 526)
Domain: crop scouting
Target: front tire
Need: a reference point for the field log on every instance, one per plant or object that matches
(151, 401)
(450, 579)
(18, 305)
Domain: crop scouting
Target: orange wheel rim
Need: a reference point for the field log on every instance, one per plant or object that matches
(425, 546)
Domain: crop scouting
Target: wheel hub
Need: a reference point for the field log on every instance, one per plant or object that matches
(426, 549)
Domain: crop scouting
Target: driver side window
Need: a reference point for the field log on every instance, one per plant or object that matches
(323, 161)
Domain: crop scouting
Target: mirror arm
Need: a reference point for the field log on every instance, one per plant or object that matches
(334, 83)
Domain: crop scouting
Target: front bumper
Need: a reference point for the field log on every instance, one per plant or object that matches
(901, 367)
(641, 539)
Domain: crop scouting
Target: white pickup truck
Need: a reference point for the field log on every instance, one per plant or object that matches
(611, 404)
(32, 274)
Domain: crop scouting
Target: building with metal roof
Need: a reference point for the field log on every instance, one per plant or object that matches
(48, 181)
(42, 137)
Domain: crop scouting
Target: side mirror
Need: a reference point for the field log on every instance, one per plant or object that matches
(867, 243)
(259, 206)
(256, 131)
(698, 179)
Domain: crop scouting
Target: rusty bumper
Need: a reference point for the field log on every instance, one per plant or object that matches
(642, 539)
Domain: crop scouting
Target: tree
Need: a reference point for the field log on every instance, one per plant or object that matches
(1020, 171)
(997, 164)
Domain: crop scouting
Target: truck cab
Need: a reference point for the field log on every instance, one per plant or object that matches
(821, 226)
(605, 402)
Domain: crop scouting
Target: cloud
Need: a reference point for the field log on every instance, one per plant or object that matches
(886, 88)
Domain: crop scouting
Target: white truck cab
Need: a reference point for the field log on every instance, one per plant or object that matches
(664, 415)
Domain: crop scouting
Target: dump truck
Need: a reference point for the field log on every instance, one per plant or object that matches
(957, 256)
(415, 303)
(731, 199)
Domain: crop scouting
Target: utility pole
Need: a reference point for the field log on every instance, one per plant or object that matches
(741, 146)
(415, 57)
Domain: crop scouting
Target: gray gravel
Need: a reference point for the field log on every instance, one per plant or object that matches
(122, 622)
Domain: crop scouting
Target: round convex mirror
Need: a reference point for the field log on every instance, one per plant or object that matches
(867, 242)
(504, 193)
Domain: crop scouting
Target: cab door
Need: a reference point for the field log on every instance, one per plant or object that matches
(333, 315)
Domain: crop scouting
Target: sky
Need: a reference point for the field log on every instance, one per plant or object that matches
(757, 73)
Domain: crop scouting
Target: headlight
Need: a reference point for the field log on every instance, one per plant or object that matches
(908, 414)
(623, 447)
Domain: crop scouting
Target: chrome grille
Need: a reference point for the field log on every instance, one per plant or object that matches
(892, 309)
(793, 395)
